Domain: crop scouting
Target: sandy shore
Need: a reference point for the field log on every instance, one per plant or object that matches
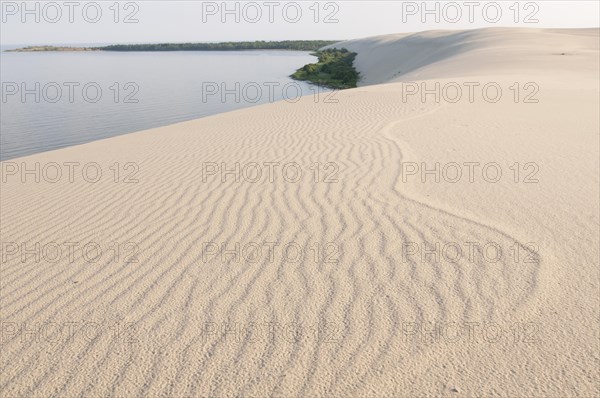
(424, 248)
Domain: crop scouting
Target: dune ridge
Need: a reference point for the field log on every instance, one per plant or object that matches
(444, 54)
(365, 310)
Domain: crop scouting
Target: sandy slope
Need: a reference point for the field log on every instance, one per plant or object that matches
(479, 52)
(540, 309)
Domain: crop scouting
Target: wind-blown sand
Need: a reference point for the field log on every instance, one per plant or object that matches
(532, 313)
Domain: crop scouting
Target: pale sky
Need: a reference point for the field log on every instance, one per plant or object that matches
(87, 22)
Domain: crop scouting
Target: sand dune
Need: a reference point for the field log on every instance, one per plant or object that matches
(507, 305)
(480, 52)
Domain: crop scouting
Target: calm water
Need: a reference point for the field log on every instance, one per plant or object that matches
(83, 97)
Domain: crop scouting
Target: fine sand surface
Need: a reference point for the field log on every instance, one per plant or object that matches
(376, 320)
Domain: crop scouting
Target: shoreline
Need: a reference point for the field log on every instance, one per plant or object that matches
(293, 45)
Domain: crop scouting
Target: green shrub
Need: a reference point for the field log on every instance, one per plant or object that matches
(335, 69)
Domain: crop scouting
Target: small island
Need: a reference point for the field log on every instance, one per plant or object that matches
(334, 70)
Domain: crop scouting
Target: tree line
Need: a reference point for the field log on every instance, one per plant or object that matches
(297, 45)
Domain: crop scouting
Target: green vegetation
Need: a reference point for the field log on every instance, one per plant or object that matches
(335, 69)
(296, 45)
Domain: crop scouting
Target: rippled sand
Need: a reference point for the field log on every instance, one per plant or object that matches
(383, 281)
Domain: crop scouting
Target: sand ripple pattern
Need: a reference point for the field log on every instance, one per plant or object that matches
(172, 294)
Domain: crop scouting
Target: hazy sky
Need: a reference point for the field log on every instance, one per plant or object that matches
(72, 22)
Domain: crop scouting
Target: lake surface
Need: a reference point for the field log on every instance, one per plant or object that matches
(56, 99)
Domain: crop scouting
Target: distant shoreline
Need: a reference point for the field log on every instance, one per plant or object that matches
(295, 45)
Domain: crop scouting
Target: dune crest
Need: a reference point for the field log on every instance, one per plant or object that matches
(478, 52)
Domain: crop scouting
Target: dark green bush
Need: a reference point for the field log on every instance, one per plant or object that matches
(335, 69)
